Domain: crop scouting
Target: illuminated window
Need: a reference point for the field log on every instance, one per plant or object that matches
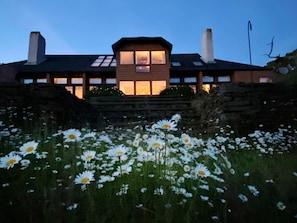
(158, 86)
(41, 80)
(127, 87)
(126, 57)
(175, 80)
(207, 79)
(111, 81)
(60, 80)
(70, 89)
(190, 79)
(143, 69)
(78, 91)
(194, 87)
(224, 79)
(76, 80)
(265, 80)
(206, 87)
(158, 57)
(28, 81)
(142, 57)
(143, 88)
(95, 81)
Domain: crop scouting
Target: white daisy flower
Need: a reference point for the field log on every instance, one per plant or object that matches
(84, 178)
(9, 161)
(71, 135)
(201, 171)
(88, 155)
(28, 148)
(166, 125)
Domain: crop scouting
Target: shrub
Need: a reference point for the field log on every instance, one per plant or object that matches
(183, 91)
(104, 90)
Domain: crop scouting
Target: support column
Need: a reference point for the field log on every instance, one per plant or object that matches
(200, 83)
(84, 84)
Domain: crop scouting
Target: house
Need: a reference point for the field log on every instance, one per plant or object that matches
(138, 66)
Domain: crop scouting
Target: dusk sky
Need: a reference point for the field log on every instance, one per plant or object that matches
(92, 26)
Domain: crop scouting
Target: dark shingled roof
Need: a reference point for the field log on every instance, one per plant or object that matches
(141, 40)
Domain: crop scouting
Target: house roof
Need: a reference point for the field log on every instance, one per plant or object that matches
(141, 40)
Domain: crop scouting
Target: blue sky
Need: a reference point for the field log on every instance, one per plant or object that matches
(92, 26)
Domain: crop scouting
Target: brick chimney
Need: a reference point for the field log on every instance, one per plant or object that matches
(36, 52)
(207, 47)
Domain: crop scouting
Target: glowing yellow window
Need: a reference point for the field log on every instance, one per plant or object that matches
(127, 87)
(158, 86)
(143, 88)
(126, 57)
(60, 80)
(158, 57)
(142, 57)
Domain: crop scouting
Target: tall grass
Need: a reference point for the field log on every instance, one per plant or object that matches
(152, 174)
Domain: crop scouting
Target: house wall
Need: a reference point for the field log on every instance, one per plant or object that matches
(256, 76)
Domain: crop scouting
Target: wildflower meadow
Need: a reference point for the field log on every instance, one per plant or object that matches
(154, 173)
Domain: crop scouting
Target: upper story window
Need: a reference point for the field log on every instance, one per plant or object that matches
(175, 64)
(126, 57)
(142, 57)
(158, 57)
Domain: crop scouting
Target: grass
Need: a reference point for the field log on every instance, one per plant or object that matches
(157, 174)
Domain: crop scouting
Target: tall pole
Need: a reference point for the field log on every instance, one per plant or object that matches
(249, 39)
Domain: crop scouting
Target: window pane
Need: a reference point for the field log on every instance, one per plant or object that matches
(79, 92)
(265, 80)
(142, 57)
(98, 61)
(142, 68)
(106, 61)
(190, 79)
(111, 81)
(60, 80)
(127, 57)
(69, 88)
(127, 87)
(224, 79)
(28, 81)
(158, 57)
(175, 80)
(206, 87)
(175, 64)
(207, 79)
(95, 80)
(113, 63)
(158, 86)
(41, 80)
(143, 88)
(77, 80)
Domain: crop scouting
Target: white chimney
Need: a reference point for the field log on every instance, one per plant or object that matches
(36, 53)
(207, 47)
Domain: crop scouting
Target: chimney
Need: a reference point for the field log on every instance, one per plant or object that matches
(36, 53)
(207, 47)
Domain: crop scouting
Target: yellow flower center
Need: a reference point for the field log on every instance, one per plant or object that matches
(10, 162)
(201, 172)
(89, 157)
(156, 144)
(30, 149)
(71, 136)
(85, 180)
(119, 153)
(186, 140)
(166, 126)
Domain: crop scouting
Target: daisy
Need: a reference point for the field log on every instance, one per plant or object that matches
(155, 143)
(186, 139)
(176, 117)
(71, 135)
(8, 161)
(253, 190)
(88, 155)
(28, 148)
(201, 171)
(166, 125)
(84, 178)
(280, 205)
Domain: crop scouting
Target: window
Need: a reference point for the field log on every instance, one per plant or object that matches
(113, 63)
(197, 63)
(175, 64)
(158, 86)
(41, 80)
(98, 61)
(111, 81)
(28, 81)
(158, 57)
(126, 57)
(75, 80)
(143, 88)
(265, 80)
(127, 87)
(224, 79)
(207, 79)
(60, 80)
(174, 80)
(190, 79)
(143, 69)
(95, 81)
(142, 57)
(106, 61)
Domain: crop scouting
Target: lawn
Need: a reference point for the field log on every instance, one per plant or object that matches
(155, 173)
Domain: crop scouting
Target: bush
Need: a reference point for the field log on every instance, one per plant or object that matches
(104, 91)
(183, 91)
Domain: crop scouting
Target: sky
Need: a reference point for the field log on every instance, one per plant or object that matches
(92, 26)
